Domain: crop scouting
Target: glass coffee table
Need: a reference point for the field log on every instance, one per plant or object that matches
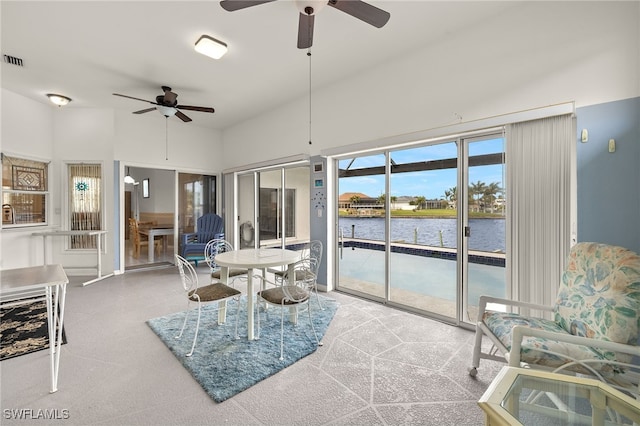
(531, 397)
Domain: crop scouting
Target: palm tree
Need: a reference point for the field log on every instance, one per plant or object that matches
(451, 195)
(355, 199)
(393, 201)
(490, 193)
(421, 202)
(476, 190)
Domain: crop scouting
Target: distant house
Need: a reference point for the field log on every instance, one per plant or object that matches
(364, 201)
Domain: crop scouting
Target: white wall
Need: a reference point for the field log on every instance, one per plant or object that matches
(542, 54)
(38, 130)
(27, 130)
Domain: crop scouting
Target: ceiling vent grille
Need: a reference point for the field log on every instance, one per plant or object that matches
(12, 60)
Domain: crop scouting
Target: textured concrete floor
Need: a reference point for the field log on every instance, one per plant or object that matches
(378, 366)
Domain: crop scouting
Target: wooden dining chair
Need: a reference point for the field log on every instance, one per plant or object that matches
(140, 240)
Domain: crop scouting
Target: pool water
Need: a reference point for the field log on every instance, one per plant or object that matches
(428, 276)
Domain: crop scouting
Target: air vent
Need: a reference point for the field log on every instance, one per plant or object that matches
(12, 60)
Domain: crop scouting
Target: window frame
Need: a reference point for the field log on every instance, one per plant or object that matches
(46, 193)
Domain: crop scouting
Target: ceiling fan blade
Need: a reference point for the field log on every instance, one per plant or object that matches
(231, 5)
(182, 117)
(305, 31)
(142, 111)
(363, 11)
(137, 99)
(195, 108)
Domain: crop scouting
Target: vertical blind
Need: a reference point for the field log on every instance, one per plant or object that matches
(85, 203)
(540, 177)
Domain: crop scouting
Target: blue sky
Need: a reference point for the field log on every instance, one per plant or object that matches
(430, 184)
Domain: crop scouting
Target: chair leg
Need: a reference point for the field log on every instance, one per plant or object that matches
(312, 327)
(186, 315)
(282, 333)
(195, 337)
(477, 348)
(315, 289)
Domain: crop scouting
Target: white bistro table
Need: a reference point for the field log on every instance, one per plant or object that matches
(100, 235)
(49, 283)
(253, 259)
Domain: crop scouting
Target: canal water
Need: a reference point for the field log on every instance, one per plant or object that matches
(486, 234)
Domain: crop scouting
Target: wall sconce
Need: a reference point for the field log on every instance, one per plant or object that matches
(59, 100)
(211, 47)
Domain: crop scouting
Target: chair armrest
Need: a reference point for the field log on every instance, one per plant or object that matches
(520, 331)
(189, 238)
(482, 305)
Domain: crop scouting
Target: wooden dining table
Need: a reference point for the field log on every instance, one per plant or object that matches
(153, 231)
(252, 259)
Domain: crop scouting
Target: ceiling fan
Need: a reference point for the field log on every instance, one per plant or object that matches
(309, 8)
(167, 104)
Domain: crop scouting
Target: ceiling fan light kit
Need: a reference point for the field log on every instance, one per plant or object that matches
(167, 105)
(211, 47)
(59, 100)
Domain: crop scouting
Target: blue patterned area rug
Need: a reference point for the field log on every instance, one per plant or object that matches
(225, 366)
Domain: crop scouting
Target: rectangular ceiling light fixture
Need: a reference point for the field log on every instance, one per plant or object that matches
(211, 47)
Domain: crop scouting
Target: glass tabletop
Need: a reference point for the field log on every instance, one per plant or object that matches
(562, 400)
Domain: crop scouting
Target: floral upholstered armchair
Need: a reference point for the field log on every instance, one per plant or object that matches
(595, 325)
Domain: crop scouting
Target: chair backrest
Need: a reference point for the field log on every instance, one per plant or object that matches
(134, 231)
(210, 226)
(315, 254)
(599, 294)
(213, 248)
(188, 274)
(304, 278)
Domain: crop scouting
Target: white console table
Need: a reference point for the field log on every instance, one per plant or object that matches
(100, 235)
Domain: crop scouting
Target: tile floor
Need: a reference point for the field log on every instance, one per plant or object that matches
(378, 366)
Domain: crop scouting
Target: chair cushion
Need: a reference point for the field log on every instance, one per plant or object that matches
(277, 295)
(599, 295)
(213, 292)
(534, 349)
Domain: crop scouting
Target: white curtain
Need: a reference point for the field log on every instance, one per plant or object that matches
(85, 202)
(540, 192)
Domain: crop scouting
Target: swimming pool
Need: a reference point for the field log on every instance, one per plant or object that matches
(418, 271)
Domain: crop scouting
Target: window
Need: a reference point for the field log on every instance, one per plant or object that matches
(85, 203)
(25, 192)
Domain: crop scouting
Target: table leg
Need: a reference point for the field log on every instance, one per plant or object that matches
(152, 245)
(293, 311)
(99, 243)
(250, 331)
(61, 294)
(51, 327)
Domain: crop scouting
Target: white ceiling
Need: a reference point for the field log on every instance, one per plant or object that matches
(88, 50)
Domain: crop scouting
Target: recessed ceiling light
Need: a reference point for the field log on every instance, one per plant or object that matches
(59, 100)
(211, 47)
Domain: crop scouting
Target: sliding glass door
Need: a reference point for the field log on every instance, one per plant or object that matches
(423, 227)
(273, 206)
